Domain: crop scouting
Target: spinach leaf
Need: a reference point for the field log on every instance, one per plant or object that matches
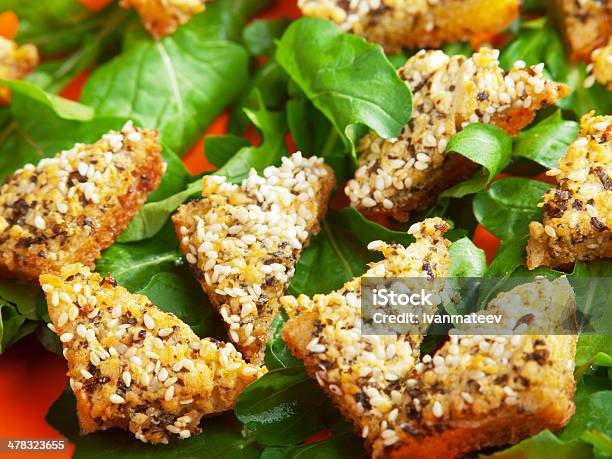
(593, 350)
(584, 99)
(259, 36)
(273, 128)
(467, 260)
(134, 264)
(341, 444)
(179, 293)
(154, 215)
(283, 407)
(223, 438)
(543, 446)
(43, 124)
(346, 78)
(340, 251)
(483, 144)
(509, 205)
(220, 148)
(178, 84)
(277, 353)
(13, 325)
(546, 142)
(175, 179)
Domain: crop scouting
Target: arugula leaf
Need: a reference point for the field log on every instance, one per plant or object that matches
(546, 142)
(43, 124)
(277, 353)
(543, 446)
(483, 144)
(340, 251)
(260, 35)
(178, 84)
(223, 438)
(134, 264)
(509, 205)
(283, 407)
(346, 78)
(175, 179)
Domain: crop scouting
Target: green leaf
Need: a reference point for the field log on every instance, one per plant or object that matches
(179, 293)
(339, 445)
(220, 148)
(340, 251)
(544, 446)
(28, 299)
(260, 35)
(222, 438)
(509, 205)
(178, 84)
(509, 256)
(43, 125)
(134, 264)
(467, 260)
(154, 215)
(547, 141)
(277, 353)
(483, 144)
(346, 78)
(283, 407)
(175, 179)
(273, 128)
(594, 350)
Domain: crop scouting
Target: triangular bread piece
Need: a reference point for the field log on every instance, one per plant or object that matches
(243, 241)
(134, 366)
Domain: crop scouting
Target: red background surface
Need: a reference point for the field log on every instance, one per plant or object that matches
(31, 378)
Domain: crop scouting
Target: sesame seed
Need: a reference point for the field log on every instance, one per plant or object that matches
(437, 409)
(117, 399)
(66, 337)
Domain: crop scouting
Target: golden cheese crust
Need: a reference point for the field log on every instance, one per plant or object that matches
(134, 366)
(578, 210)
(70, 207)
(399, 176)
(474, 392)
(416, 23)
(15, 63)
(243, 242)
(585, 24)
(163, 17)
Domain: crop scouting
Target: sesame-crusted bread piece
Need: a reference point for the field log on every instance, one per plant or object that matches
(134, 366)
(416, 23)
(585, 24)
(163, 17)
(362, 374)
(398, 176)
(602, 65)
(479, 391)
(476, 391)
(243, 241)
(578, 210)
(70, 207)
(15, 63)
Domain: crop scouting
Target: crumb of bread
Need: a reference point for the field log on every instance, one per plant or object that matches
(602, 67)
(398, 176)
(68, 208)
(577, 211)
(163, 17)
(15, 63)
(243, 241)
(134, 366)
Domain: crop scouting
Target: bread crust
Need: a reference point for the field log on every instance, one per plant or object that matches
(163, 17)
(15, 63)
(59, 222)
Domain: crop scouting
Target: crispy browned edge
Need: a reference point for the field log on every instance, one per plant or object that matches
(148, 177)
(253, 353)
(505, 427)
(454, 170)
